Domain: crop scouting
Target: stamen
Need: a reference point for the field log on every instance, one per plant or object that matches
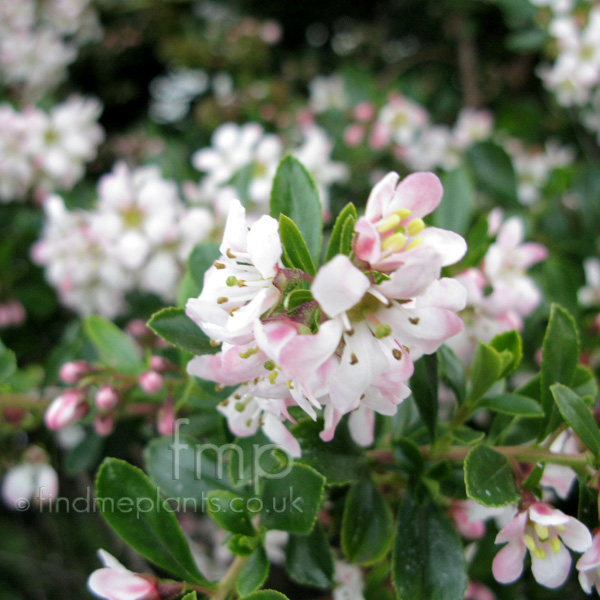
(218, 265)
(416, 242)
(230, 254)
(542, 531)
(249, 352)
(530, 543)
(397, 353)
(219, 387)
(540, 552)
(269, 365)
(382, 330)
(233, 310)
(273, 377)
(415, 226)
(389, 223)
(222, 300)
(555, 545)
(403, 213)
(289, 384)
(231, 280)
(214, 343)
(240, 406)
(414, 320)
(394, 242)
(353, 359)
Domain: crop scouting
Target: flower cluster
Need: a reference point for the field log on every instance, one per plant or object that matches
(499, 292)
(404, 127)
(46, 151)
(245, 153)
(136, 237)
(343, 341)
(38, 40)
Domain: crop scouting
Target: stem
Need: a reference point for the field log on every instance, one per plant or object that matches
(228, 582)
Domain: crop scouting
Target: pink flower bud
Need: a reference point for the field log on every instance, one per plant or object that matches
(71, 372)
(106, 398)
(137, 328)
(364, 111)
(104, 425)
(159, 363)
(166, 418)
(68, 408)
(151, 382)
(354, 134)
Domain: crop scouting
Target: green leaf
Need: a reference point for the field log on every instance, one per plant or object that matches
(115, 348)
(367, 526)
(201, 259)
(176, 328)
(560, 355)
(340, 461)
(509, 341)
(243, 545)
(493, 169)
(190, 596)
(309, 560)
(424, 386)
(8, 364)
(295, 195)
(408, 456)
(265, 595)
(254, 573)
(342, 233)
(428, 561)
(291, 503)
(466, 436)
(512, 404)
(486, 369)
(85, 455)
(456, 207)
(452, 372)
(130, 503)
(489, 477)
(185, 470)
(295, 252)
(228, 510)
(584, 382)
(577, 414)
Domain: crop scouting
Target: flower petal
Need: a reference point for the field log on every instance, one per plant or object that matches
(450, 245)
(421, 193)
(278, 433)
(508, 563)
(576, 535)
(552, 570)
(264, 245)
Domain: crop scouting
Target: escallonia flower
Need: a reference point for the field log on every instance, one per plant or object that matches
(544, 531)
(589, 566)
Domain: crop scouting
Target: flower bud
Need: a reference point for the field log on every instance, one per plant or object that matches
(66, 409)
(106, 398)
(166, 418)
(104, 425)
(159, 363)
(72, 372)
(151, 382)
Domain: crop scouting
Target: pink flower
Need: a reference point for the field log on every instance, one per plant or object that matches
(478, 591)
(115, 582)
(544, 531)
(71, 372)
(106, 398)
(559, 477)
(467, 527)
(151, 382)
(589, 566)
(66, 409)
(34, 479)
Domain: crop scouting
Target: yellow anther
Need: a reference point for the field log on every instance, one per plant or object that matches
(559, 527)
(416, 242)
(415, 226)
(555, 545)
(389, 223)
(249, 352)
(289, 384)
(222, 300)
(403, 213)
(539, 552)
(542, 531)
(273, 377)
(530, 543)
(394, 242)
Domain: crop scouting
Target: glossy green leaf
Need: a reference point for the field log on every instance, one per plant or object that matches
(466, 436)
(340, 461)
(512, 404)
(489, 477)
(486, 369)
(584, 382)
(428, 561)
(295, 195)
(424, 387)
(456, 207)
(130, 503)
(228, 510)
(493, 169)
(560, 355)
(295, 252)
(577, 414)
(340, 241)
(509, 341)
(85, 455)
(115, 348)
(408, 456)
(186, 470)
(254, 573)
(452, 372)
(368, 525)
(190, 596)
(265, 595)
(291, 503)
(176, 328)
(201, 259)
(309, 560)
